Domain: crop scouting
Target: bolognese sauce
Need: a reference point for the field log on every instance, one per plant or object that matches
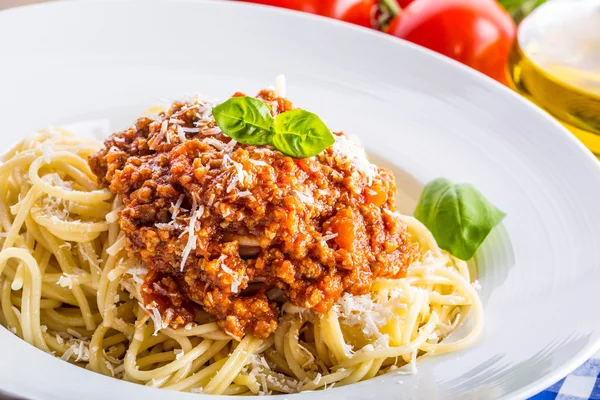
(225, 225)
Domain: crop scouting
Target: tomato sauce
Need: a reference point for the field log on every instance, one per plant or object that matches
(310, 228)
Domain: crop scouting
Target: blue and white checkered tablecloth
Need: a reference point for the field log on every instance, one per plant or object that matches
(581, 384)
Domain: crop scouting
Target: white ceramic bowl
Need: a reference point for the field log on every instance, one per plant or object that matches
(419, 113)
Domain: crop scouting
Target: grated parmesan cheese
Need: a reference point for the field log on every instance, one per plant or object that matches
(211, 131)
(364, 312)
(245, 193)
(75, 334)
(160, 225)
(181, 133)
(158, 138)
(303, 197)
(280, 86)
(233, 183)
(258, 366)
(78, 346)
(411, 367)
(176, 207)
(178, 353)
(229, 146)
(260, 163)
(353, 151)
(236, 279)
(211, 200)
(67, 354)
(197, 212)
(156, 318)
(329, 236)
(217, 144)
(138, 274)
(67, 280)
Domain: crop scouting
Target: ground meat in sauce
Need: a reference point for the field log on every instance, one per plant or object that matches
(313, 228)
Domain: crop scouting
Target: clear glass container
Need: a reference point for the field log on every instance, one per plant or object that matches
(555, 62)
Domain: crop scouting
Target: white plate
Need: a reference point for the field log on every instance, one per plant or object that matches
(417, 112)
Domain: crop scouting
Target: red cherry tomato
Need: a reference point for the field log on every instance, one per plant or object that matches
(404, 3)
(353, 11)
(478, 33)
(357, 12)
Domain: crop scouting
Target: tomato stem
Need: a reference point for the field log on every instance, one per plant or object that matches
(385, 13)
(391, 6)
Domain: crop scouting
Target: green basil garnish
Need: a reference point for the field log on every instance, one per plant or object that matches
(295, 133)
(458, 216)
(245, 119)
(300, 134)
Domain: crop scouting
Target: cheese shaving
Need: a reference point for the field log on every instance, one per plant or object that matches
(329, 236)
(356, 154)
(260, 163)
(229, 146)
(245, 193)
(236, 279)
(181, 133)
(178, 353)
(217, 144)
(280, 86)
(303, 197)
(211, 199)
(364, 312)
(197, 212)
(161, 225)
(176, 207)
(211, 131)
(156, 318)
(67, 280)
(233, 183)
(158, 138)
(138, 274)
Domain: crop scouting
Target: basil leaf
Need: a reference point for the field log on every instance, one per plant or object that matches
(301, 134)
(245, 119)
(458, 216)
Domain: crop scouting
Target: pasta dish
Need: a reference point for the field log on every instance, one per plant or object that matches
(234, 248)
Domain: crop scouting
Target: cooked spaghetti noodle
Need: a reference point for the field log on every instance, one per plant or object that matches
(69, 287)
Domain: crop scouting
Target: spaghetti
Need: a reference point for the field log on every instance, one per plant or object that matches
(69, 287)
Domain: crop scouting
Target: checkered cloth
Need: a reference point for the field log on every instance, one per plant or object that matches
(581, 384)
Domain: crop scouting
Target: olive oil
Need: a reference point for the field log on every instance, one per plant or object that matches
(555, 63)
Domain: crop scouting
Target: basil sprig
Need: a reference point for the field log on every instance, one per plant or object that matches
(246, 119)
(458, 216)
(296, 133)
